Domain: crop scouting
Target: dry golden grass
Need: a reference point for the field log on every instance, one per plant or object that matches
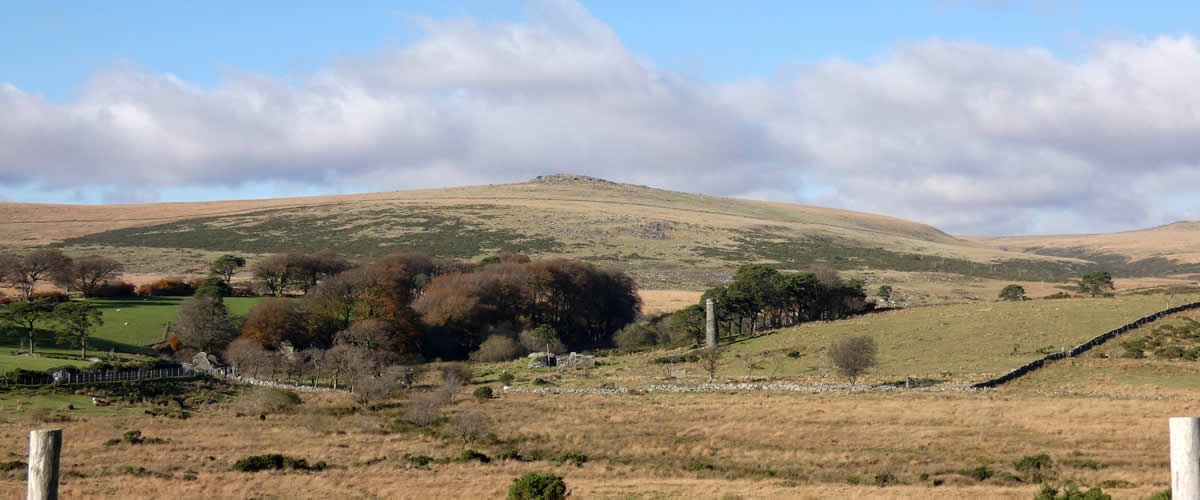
(662, 301)
(1179, 241)
(641, 446)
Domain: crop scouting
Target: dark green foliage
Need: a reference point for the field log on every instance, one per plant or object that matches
(571, 457)
(1089, 464)
(506, 378)
(275, 461)
(1036, 467)
(1013, 292)
(419, 460)
(1058, 295)
(885, 479)
(1169, 352)
(472, 455)
(1096, 283)
(510, 454)
(1070, 493)
(134, 437)
(482, 393)
(537, 486)
(676, 359)
(981, 473)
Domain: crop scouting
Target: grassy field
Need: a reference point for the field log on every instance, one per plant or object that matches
(943, 345)
(718, 445)
(129, 325)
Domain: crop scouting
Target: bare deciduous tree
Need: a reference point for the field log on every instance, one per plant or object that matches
(23, 273)
(204, 323)
(853, 356)
(710, 361)
(88, 273)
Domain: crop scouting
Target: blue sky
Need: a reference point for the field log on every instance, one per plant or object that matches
(154, 79)
(52, 47)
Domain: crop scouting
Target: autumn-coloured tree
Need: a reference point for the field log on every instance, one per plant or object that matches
(276, 272)
(309, 269)
(276, 320)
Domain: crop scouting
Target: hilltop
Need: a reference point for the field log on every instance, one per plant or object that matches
(666, 239)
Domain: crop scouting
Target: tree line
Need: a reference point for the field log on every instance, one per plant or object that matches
(762, 297)
(405, 307)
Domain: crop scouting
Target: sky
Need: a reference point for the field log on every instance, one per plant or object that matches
(985, 117)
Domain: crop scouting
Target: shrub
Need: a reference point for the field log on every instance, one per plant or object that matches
(482, 393)
(49, 296)
(571, 457)
(275, 461)
(167, 287)
(510, 454)
(469, 455)
(419, 460)
(981, 473)
(690, 357)
(1116, 483)
(1012, 292)
(113, 289)
(422, 410)
(853, 356)
(1071, 493)
(469, 426)
(635, 335)
(1037, 467)
(498, 348)
(1059, 295)
(538, 486)
(506, 378)
(885, 479)
(698, 464)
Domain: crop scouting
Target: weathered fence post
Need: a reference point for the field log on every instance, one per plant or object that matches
(44, 449)
(710, 323)
(1185, 458)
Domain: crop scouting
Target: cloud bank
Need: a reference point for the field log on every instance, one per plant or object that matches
(970, 138)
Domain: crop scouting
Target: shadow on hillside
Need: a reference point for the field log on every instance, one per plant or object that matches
(13, 339)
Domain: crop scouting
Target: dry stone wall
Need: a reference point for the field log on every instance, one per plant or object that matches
(1082, 348)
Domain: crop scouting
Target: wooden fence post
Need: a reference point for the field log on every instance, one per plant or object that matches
(44, 449)
(1185, 458)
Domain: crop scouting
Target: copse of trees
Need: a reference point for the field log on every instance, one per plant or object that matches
(357, 319)
(762, 297)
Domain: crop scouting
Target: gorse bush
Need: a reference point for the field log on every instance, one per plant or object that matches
(275, 461)
(537, 486)
(482, 393)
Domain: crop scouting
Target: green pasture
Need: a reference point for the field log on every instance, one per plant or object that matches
(130, 324)
(965, 342)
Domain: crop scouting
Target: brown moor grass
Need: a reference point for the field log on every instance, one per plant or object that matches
(716, 445)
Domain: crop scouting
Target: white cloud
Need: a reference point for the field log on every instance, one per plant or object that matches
(964, 136)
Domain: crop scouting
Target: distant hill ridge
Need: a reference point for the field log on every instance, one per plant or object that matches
(664, 237)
